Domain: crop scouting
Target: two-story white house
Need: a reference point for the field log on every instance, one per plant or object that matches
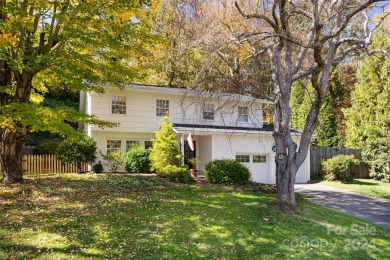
(222, 126)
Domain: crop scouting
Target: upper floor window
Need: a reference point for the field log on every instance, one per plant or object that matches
(118, 105)
(162, 107)
(130, 143)
(113, 145)
(208, 111)
(242, 114)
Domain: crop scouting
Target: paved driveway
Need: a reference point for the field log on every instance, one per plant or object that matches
(362, 206)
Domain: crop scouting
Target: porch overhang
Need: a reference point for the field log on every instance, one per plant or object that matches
(212, 129)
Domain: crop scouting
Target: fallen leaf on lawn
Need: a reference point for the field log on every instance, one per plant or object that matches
(266, 219)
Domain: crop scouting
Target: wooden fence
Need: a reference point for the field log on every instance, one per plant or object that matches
(40, 164)
(318, 154)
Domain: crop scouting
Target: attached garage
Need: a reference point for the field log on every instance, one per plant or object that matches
(251, 147)
(258, 164)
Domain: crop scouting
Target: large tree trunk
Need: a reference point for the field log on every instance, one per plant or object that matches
(12, 138)
(11, 153)
(286, 170)
(285, 178)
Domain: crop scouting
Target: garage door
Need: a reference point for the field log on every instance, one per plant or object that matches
(301, 177)
(258, 165)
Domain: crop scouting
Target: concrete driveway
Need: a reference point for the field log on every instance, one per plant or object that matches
(362, 206)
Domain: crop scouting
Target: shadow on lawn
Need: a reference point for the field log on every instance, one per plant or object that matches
(118, 218)
(123, 224)
(359, 182)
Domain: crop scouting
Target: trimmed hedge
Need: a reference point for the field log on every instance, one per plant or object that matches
(97, 168)
(176, 174)
(227, 172)
(137, 160)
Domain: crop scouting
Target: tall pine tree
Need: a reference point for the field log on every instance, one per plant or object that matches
(300, 105)
(368, 120)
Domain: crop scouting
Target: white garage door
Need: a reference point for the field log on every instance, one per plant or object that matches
(258, 165)
(301, 176)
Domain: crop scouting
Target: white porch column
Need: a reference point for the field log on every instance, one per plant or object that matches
(182, 149)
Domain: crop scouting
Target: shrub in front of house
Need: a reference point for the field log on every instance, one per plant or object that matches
(227, 172)
(137, 160)
(97, 168)
(77, 149)
(335, 168)
(177, 174)
(113, 160)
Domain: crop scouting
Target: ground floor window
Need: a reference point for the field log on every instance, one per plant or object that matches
(148, 144)
(243, 158)
(246, 158)
(113, 145)
(130, 143)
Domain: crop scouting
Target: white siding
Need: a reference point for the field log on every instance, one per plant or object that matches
(205, 150)
(141, 111)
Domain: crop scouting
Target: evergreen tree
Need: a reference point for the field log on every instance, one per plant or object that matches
(301, 100)
(368, 119)
(164, 151)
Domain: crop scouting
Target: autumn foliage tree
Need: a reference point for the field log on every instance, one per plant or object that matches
(197, 48)
(45, 44)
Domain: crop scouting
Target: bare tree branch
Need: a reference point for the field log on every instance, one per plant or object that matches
(256, 15)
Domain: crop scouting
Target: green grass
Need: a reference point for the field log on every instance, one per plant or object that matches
(144, 217)
(368, 187)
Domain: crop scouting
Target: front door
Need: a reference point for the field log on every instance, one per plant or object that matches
(189, 154)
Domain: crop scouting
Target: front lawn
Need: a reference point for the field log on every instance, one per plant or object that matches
(145, 217)
(368, 187)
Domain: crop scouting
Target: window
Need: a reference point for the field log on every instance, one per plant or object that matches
(113, 145)
(118, 105)
(242, 158)
(130, 143)
(208, 112)
(148, 144)
(259, 158)
(242, 114)
(162, 107)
